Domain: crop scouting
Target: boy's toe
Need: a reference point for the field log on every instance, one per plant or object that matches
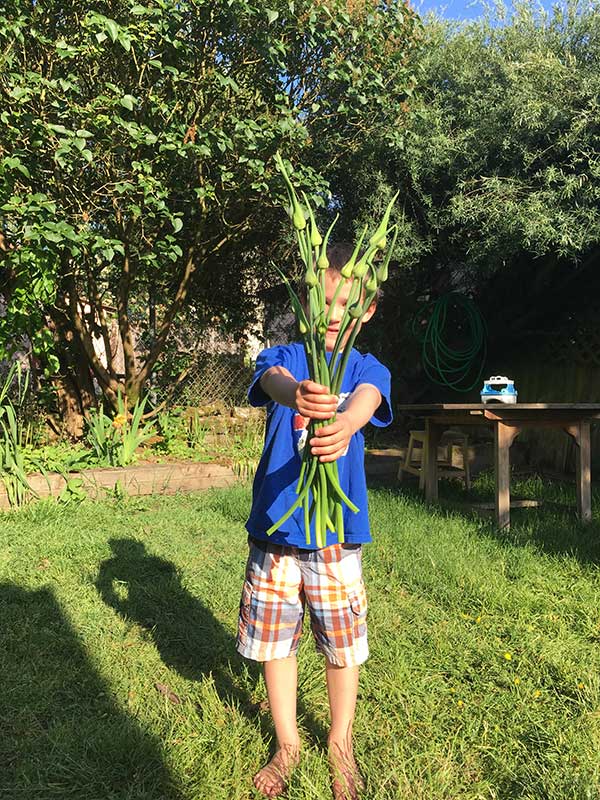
(272, 779)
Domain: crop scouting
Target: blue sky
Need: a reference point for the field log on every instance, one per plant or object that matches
(458, 9)
(450, 9)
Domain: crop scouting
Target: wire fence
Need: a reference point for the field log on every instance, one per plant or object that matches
(211, 379)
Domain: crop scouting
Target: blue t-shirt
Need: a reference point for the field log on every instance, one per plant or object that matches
(274, 489)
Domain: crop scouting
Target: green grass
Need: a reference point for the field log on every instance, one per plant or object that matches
(483, 681)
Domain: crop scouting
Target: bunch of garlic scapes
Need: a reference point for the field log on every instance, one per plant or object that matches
(318, 489)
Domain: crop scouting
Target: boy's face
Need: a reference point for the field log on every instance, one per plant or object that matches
(332, 278)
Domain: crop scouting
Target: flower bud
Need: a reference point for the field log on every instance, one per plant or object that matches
(380, 233)
(382, 272)
(298, 217)
(310, 277)
(315, 237)
(360, 269)
(371, 285)
(323, 261)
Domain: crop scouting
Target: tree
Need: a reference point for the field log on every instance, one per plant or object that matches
(136, 152)
(498, 163)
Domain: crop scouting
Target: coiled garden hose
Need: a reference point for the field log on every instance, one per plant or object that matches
(450, 318)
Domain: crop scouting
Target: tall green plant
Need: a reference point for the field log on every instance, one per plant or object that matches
(116, 439)
(12, 460)
(13, 473)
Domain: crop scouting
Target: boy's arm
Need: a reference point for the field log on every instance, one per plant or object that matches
(310, 399)
(330, 442)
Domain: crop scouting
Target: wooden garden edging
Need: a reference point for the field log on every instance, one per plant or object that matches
(142, 479)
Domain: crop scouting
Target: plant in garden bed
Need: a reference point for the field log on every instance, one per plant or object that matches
(183, 435)
(13, 467)
(242, 445)
(318, 489)
(115, 440)
(62, 457)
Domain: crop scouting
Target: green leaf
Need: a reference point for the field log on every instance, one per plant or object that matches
(112, 28)
(58, 128)
(52, 236)
(271, 15)
(125, 41)
(177, 224)
(18, 92)
(87, 154)
(127, 101)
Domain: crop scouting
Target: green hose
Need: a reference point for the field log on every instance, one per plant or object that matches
(443, 364)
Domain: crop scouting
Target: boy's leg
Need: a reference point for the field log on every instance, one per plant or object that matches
(269, 629)
(337, 602)
(281, 678)
(342, 688)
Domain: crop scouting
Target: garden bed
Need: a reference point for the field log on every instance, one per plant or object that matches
(141, 479)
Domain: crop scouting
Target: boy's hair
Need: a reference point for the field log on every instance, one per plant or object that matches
(338, 256)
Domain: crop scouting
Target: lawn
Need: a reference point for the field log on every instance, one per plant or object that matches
(120, 677)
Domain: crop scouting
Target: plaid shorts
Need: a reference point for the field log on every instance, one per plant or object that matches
(281, 581)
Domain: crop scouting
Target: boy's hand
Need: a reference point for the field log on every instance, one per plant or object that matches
(331, 441)
(314, 400)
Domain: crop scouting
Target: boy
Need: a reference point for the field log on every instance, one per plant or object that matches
(283, 573)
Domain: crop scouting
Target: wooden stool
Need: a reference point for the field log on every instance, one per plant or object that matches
(445, 468)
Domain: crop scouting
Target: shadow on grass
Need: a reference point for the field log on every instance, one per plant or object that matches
(62, 735)
(189, 638)
(554, 531)
(553, 527)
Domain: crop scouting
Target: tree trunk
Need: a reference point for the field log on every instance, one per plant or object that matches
(69, 406)
(74, 385)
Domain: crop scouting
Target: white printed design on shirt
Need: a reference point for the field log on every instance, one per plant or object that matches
(300, 424)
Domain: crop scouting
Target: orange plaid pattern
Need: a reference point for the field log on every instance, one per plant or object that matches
(282, 581)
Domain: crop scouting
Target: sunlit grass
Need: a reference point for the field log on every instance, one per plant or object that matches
(120, 677)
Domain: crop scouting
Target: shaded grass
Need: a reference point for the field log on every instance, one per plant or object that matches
(483, 680)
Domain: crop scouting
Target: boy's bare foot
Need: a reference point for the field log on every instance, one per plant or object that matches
(346, 780)
(272, 779)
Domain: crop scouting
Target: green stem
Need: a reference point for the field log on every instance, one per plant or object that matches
(339, 374)
(298, 503)
(355, 293)
(317, 497)
(306, 509)
(323, 497)
(302, 471)
(339, 521)
(335, 485)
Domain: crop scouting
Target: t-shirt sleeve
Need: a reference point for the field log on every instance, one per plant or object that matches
(271, 357)
(372, 371)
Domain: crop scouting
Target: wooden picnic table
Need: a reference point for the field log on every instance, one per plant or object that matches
(508, 420)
